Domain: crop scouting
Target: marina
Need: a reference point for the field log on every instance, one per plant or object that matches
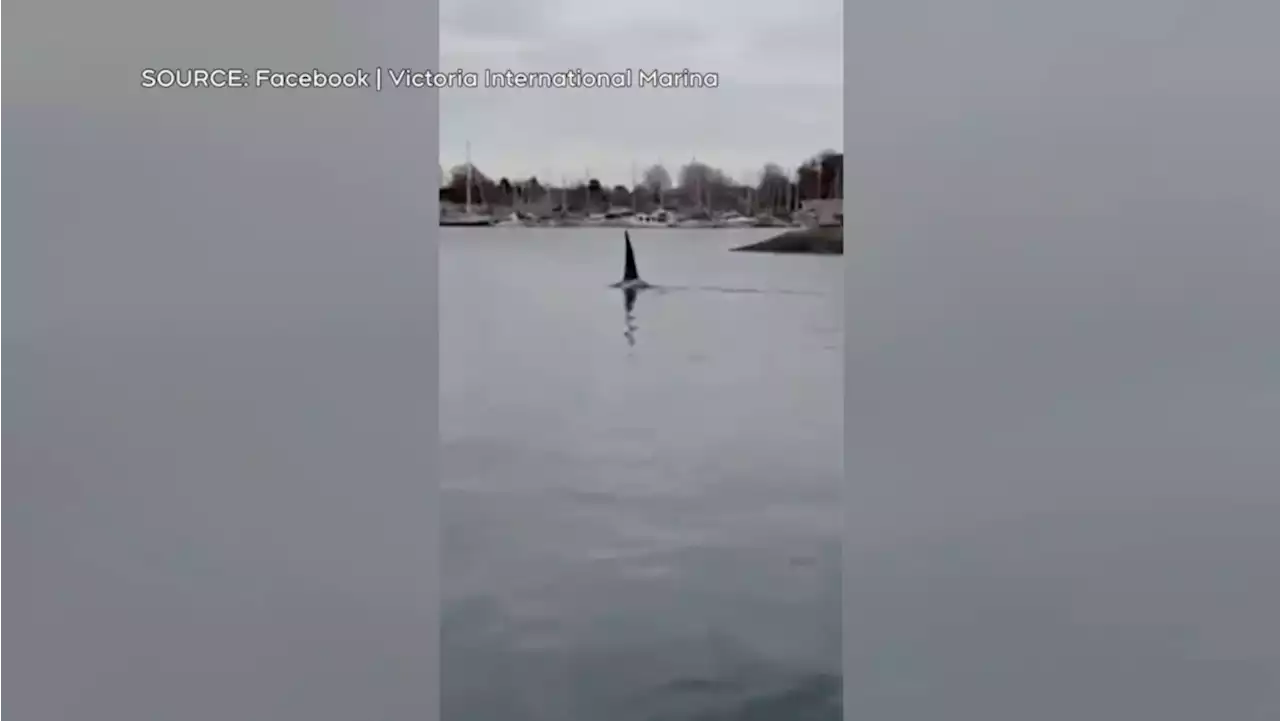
(704, 199)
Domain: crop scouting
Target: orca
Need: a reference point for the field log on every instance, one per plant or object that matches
(630, 285)
(630, 274)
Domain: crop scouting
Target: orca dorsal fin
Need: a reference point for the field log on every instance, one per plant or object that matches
(629, 272)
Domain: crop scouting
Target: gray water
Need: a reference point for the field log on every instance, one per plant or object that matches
(641, 517)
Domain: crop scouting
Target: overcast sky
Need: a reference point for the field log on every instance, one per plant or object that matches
(780, 97)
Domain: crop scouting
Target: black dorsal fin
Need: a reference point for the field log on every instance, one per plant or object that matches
(629, 271)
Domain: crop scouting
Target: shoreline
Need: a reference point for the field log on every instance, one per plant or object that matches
(807, 241)
(618, 226)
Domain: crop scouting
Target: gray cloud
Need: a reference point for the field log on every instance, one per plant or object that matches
(494, 18)
(779, 99)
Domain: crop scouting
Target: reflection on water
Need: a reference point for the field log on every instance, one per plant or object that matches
(639, 535)
(629, 306)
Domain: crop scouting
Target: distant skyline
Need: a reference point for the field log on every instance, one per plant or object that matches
(780, 96)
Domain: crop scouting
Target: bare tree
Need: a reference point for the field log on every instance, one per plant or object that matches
(699, 174)
(620, 196)
(774, 187)
(657, 178)
(596, 193)
(701, 185)
(482, 188)
(476, 175)
(531, 190)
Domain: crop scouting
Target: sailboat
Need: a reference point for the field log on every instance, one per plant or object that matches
(468, 217)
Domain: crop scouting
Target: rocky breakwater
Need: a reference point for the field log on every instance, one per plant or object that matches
(812, 241)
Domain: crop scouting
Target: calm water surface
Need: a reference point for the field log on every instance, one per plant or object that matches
(641, 516)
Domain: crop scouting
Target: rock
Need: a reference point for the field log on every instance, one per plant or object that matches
(812, 241)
